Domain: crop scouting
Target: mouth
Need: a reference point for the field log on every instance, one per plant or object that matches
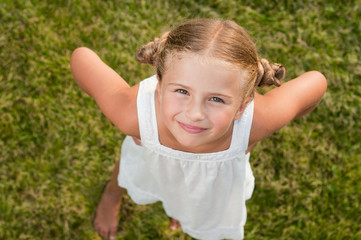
(191, 129)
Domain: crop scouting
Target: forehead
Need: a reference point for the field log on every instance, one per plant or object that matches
(200, 58)
(201, 70)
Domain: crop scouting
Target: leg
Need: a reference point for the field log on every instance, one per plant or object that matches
(106, 218)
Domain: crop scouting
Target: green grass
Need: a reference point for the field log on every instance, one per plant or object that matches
(57, 149)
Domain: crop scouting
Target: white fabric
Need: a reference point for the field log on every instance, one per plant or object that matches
(206, 192)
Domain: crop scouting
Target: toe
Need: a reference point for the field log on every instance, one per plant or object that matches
(113, 233)
(174, 224)
(105, 234)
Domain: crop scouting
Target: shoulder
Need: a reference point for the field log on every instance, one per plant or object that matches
(126, 117)
(124, 114)
(119, 105)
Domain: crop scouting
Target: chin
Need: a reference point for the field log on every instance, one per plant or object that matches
(189, 143)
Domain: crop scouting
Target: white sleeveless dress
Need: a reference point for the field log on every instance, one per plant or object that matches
(206, 192)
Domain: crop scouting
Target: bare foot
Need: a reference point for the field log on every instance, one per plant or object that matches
(174, 224)
(106, 218)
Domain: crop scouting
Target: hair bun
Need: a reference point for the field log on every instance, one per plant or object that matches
(148, 53)
(269, 73)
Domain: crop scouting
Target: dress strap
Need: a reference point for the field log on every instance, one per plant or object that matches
(146, 108)
(242, 128)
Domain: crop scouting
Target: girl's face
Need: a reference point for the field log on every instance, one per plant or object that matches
(199, 98)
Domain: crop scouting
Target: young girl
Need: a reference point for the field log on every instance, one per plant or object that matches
(191, 126)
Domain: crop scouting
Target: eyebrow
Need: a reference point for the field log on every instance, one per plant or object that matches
(180, 85)
(210, 93)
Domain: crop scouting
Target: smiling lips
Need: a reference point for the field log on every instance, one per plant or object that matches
(191, 129)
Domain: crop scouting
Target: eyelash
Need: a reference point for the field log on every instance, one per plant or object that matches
(217, 99)
(214, 99)
(182, 91)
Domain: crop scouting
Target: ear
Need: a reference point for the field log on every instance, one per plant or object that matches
(241, 109)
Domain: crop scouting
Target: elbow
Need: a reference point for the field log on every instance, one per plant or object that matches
(77, 66)
(74, 64)
(77, 55)
(320, 81)
(74, 59)
(78, 63)
(319, 84)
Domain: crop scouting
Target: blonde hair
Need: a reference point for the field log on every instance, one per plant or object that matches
(223, 40)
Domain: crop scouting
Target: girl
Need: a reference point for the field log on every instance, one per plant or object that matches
(191, 126)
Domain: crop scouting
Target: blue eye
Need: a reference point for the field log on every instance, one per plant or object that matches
(182, 91)
(217, 99)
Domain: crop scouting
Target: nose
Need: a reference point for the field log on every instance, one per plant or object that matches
(195, 111)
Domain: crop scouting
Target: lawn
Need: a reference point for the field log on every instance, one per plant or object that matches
(58, 150)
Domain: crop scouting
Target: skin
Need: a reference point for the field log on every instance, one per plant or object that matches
(187, 110)
(196, 110)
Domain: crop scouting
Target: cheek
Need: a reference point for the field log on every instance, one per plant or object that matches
(171, 105)
(221, 118)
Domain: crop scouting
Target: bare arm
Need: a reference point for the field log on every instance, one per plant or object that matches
(281, 105)
(112, 94)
